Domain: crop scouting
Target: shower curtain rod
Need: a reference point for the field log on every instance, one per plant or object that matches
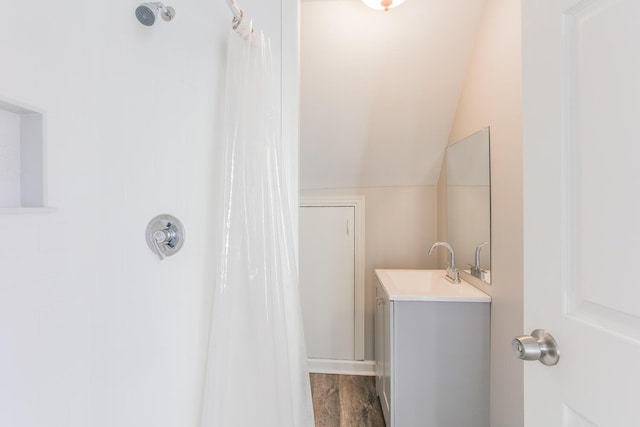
(237, 13)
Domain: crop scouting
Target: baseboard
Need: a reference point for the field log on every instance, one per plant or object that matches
(342, 367)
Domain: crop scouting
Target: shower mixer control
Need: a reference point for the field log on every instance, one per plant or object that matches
(165, 235)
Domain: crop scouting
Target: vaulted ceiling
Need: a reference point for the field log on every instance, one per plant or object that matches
(379, 90)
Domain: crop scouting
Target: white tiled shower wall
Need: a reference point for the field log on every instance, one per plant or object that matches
(94, 330)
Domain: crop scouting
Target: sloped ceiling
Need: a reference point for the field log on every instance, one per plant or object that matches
(379, 90)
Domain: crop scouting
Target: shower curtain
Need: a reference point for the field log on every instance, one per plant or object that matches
(256, 369)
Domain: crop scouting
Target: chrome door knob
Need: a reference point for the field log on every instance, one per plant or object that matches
(540, 346)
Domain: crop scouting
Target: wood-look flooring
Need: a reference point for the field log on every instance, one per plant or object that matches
(345, 401)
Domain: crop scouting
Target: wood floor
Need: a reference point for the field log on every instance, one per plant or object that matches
(345, 401)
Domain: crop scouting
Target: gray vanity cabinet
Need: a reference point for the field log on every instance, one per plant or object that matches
(432, 361)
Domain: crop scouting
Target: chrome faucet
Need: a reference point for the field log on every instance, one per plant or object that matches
(476, 271)
(453, 274)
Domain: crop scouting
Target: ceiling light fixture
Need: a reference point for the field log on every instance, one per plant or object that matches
(383, 4)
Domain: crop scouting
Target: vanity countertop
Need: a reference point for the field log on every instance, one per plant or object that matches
(427, 285)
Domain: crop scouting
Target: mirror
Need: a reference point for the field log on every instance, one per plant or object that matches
(469, 204)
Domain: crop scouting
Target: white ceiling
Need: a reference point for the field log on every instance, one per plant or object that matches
(379, 90)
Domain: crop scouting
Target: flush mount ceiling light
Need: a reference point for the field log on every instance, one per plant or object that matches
(383, 4)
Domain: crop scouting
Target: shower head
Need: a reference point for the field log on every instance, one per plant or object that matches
(147, 12)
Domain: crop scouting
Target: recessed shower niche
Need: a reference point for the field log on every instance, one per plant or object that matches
(22, 186)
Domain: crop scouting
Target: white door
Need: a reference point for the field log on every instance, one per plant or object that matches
(327, 281)
(581, 87)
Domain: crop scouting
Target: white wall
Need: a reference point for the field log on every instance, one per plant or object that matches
(491, 96)
(379, 90)
(94, 330)
(400, 226)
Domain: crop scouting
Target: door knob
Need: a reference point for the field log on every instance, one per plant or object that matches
(540, 346)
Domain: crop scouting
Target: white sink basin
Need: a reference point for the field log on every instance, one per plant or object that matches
(427, 285)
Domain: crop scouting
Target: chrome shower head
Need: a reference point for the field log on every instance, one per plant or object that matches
(147, 12)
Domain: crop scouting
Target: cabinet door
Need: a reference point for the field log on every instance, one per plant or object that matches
(379, 340)
(327, 280)
(383, 350)
(387, 320)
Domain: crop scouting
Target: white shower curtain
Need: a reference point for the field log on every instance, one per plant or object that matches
(256, 369)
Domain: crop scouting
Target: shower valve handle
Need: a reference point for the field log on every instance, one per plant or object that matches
(165, 235)
(161, 238)
(158, 250)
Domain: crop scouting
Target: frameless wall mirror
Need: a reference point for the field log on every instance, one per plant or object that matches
(469, 204)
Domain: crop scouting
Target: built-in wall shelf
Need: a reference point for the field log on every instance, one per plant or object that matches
(22, 159)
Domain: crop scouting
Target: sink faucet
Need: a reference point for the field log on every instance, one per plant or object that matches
(453, 274)
(476, 271)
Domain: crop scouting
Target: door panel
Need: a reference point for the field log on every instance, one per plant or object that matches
(601, 164)
(327, 281)
(581, 89)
